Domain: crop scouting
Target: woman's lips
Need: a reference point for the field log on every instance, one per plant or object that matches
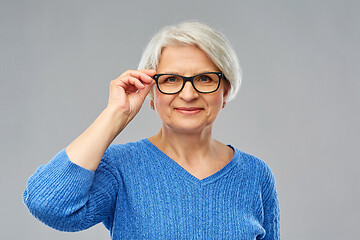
(189, 110)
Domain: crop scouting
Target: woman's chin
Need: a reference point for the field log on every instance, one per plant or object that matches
(189, 127)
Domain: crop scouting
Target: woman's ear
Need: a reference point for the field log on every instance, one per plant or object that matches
(226, 91)
(226, 88)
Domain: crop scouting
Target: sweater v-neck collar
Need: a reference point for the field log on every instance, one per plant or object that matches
(188, 176)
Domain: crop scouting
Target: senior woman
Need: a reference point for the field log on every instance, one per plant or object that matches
(180, 183)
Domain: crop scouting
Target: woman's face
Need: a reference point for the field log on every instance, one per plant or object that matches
(188, 110)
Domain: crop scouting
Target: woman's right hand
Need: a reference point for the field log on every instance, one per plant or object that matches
(129, 90)
(127, 94)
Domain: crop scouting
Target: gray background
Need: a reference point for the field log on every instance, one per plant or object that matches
(298, 108)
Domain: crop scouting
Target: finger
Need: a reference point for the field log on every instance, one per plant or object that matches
(145, 75)
(135, 82)
(128, 83)
(142, 76)
(144, 92)
(150, 72)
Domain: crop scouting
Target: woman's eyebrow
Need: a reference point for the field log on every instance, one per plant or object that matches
(177, 73)
(168, 72)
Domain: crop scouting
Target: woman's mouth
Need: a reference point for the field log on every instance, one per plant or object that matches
(189, 110)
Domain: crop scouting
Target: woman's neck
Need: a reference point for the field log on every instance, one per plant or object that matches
(187, 147)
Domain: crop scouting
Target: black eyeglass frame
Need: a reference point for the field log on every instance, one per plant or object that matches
(188, 79)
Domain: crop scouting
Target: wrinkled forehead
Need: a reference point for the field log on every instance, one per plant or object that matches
(184, 60)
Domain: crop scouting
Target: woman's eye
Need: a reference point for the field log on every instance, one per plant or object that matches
(205, 78)
(170, 79)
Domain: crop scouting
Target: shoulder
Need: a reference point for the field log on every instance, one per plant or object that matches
(128, 149)
(255, 167)
(129, 154)
(251, 162)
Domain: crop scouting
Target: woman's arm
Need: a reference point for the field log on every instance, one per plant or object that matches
(271, 209)
(78, 187)
(67, 197)
(127, 94)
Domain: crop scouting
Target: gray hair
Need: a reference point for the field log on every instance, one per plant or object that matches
(207, 39)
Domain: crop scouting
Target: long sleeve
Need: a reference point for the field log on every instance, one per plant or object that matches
(271, 212)
(68, 197)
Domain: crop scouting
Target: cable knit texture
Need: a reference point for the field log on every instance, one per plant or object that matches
(138, 192)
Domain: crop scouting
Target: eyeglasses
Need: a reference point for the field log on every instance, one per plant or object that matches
(207, 82)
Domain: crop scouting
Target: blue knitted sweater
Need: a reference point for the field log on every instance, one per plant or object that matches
(138, 192)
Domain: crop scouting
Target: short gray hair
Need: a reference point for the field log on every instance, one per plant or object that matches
(207, 39)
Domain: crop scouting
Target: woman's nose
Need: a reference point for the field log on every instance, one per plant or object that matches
(188, 92)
